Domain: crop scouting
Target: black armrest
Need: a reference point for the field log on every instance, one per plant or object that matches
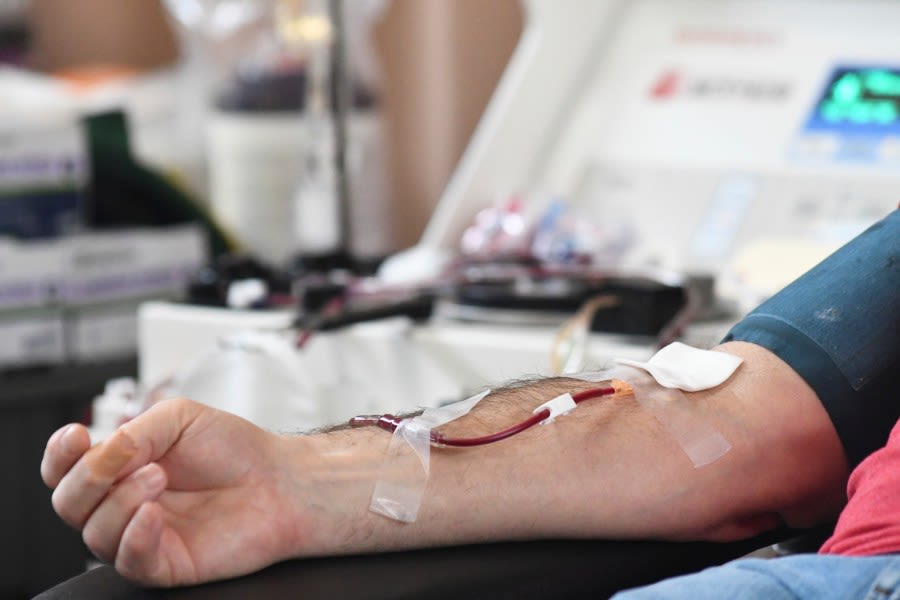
(520, 570)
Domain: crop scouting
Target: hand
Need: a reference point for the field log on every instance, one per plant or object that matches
(179, 495)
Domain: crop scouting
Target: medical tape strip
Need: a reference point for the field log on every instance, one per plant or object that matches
(404, 471)
(700, 441)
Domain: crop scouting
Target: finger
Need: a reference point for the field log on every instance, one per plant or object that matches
(144, 439)
(63, 450)
(86, 483)
(103, 530)
(139, 556)
(160, 427)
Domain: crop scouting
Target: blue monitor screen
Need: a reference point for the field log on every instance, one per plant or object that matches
(859, 100)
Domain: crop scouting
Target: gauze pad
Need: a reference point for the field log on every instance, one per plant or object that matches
(686, 368)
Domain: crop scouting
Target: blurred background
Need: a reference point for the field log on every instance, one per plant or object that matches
(425, 70)
(268, 205)
(139, 140)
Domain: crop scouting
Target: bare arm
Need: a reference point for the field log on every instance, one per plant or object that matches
(609, 469)
(235, 498)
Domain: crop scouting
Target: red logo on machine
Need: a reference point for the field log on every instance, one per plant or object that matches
(666, 86)
(673, 83)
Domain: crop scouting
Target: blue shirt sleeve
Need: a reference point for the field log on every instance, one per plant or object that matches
(838, 327)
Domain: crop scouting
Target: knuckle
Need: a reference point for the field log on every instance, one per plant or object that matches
(92, 481)
(176, 407)
(127, 570)
(128, 562)
(181, 404)
(169, 403)
(125, 497)
(53, 465)
(94, 539)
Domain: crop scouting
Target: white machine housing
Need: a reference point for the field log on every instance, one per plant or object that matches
(692, 122)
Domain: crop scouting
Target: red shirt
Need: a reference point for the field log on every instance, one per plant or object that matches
(870, 523)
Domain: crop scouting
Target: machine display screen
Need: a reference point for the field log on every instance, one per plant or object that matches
(859, 100)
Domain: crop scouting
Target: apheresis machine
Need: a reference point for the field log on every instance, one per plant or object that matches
(717, 148)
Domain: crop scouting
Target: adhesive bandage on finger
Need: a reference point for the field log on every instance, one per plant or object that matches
(404, 471)
(107, 459)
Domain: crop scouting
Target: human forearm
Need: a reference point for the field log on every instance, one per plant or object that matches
(609, 469)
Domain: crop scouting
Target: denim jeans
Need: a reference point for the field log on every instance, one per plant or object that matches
(797, 577)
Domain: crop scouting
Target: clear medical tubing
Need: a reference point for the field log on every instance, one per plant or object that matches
(404, 472)
(391, 422)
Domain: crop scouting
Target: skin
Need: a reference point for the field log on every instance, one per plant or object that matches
(203, 495)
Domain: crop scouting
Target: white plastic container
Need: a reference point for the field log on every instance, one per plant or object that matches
(255, 162)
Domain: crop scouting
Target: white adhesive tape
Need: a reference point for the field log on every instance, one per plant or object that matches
(405, 469)
(699, 439)
(559, 406)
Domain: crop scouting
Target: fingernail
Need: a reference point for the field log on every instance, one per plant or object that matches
(68, 441)
(155, 479)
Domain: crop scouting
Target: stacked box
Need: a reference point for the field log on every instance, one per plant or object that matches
(106, 277)
(75, 299)
(31, 319)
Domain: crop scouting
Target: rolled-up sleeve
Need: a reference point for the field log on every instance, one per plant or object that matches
(838, 327)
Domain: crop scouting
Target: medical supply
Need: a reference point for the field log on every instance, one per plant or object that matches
(564, 235)
(75, 298)
(658, 383)
(106, 460)
(655, 384)
(498, 233)
(404, 472)
(648, 301)
(689, 369)
(260, 136)
(44, 171)
(339, 313)
(32, 329)
(317, 210)
(697, 437)
(105, 276)
(570, 346)
(246, 293)
(545, 413)
(254, 157)
(557, 407)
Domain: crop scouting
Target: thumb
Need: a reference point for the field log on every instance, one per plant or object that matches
(155, 431)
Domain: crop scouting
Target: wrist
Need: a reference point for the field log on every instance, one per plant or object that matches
(328, 480)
